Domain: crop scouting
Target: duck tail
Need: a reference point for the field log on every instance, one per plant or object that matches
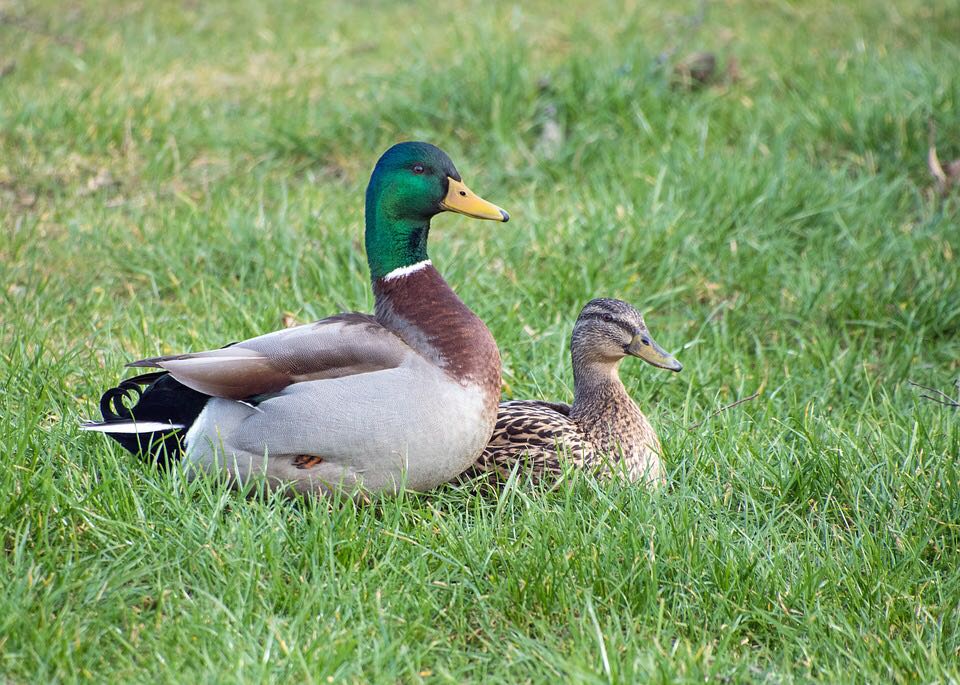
(155, 425)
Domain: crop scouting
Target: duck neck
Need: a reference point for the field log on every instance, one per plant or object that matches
(416, 303)
(598, 390)
(392, 242)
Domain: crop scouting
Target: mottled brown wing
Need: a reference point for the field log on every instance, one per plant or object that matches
(558, 407)
(538, 435)
(342, 345)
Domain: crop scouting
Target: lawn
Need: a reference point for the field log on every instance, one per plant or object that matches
(179, 175)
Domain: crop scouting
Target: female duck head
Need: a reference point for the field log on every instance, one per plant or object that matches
(608, 330)
(411, 183)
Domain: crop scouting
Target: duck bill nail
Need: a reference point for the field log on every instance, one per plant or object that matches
(462, 200)
(653, 354)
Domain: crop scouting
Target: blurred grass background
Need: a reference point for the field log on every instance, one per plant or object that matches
(178, 175)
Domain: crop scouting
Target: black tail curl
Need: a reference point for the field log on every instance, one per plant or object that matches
(155, 397)
(114, 402)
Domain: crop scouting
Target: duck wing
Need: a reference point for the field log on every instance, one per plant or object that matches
(539, 434)
(517, 406)
(341, 345)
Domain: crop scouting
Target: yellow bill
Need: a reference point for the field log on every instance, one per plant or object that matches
(462, 200)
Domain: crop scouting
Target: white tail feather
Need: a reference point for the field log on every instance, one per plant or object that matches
(130, 427)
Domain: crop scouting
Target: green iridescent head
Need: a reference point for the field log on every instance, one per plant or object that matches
(411, 183)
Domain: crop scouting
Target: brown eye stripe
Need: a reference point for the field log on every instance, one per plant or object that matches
(600, 316)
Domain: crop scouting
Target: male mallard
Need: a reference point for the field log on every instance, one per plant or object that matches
(604, 429)
(405, 397)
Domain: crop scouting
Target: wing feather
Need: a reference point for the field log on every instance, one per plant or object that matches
(342, 345)
(538, 434)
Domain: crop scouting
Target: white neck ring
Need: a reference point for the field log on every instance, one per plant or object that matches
(407, 270)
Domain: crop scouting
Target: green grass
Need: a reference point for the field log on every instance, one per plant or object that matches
(174, 176)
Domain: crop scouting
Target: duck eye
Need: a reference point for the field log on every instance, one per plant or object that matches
(418, 168)
(607, 317)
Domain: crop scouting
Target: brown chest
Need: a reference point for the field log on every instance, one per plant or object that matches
(424, 311)
(613, 424)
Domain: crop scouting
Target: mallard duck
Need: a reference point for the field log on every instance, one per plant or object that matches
(406, 397)
(604, 429)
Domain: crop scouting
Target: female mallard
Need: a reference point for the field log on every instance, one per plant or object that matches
(407, 397)
(604, 429)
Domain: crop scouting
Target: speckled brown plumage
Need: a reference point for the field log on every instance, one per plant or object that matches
(604, 430)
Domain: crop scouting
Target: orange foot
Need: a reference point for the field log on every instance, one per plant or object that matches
(307, 461)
